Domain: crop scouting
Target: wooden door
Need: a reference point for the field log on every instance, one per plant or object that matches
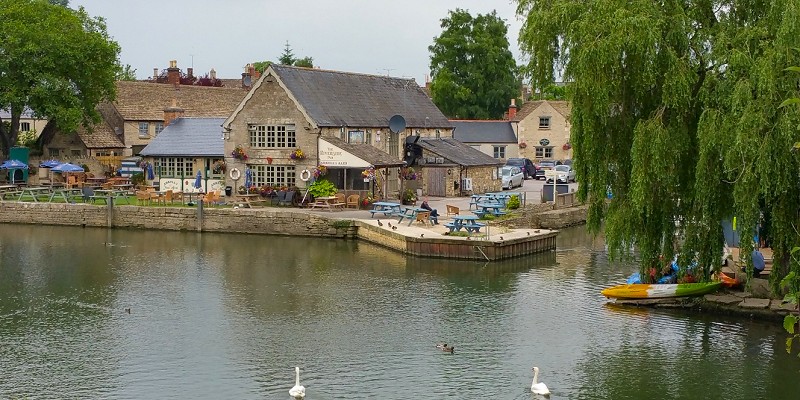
(437, 178)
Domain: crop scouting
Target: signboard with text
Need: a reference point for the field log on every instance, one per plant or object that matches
(333, 156)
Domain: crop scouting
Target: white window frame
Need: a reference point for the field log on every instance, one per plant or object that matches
(144, 129)
(24, 126)
(545, 122)
(175, 167)
(159, 127)
(272, 136)
(273, 175)
(544, 151)
(499, 151)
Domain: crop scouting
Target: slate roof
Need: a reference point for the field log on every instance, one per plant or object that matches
(27, 113)
(102, 136)
(334, 98)
(483, 131)
(458, 152)
(188, 137)
(141, 101)
(562, 107)
(366, 152)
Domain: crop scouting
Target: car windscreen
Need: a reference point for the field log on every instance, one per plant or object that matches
(506, 171)
(562, 168)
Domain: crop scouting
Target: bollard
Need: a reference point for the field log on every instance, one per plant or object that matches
(200, 214)
(110, 213)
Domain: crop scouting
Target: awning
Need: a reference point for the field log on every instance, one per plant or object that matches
(336, 153)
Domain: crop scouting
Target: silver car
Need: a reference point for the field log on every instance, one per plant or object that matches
(563, 173)
(511, 177)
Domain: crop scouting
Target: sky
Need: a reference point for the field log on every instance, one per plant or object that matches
(385, 37)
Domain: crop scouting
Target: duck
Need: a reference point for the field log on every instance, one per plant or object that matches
(447, 349)
(298, 391)
(538, 387)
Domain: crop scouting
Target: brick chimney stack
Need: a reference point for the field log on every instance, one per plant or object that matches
(173, 73)
(155, 74)
(512, 109)
(247, 76)
(172, 112)
(213, 74)
(190, 72)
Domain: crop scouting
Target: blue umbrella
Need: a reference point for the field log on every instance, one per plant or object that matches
(13, 164)
(248, 178)
(49, 163)
(150, 174)
(198, 182)
(67, 167)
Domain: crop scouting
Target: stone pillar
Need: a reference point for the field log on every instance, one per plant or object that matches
(200, 215)
(110, 211)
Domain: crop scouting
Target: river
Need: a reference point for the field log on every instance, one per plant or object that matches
(215, 316)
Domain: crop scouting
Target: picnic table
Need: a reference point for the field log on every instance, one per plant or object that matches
(494, 208)
(67, 194)
(468, 222)
(386, 208)
(103, 194)
(8, 190)
(328, 202)
(250, 200)
(411, 214)
(33, 192)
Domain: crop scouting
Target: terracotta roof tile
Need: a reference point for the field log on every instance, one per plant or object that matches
(102, 136)
(140, 101)
(563, 107)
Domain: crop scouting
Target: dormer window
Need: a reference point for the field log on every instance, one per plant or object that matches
(544, 122)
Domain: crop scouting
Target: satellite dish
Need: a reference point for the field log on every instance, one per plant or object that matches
(397, 123)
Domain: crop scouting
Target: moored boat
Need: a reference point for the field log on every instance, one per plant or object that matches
(660, 291)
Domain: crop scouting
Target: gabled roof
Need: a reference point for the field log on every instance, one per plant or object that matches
(483, 131)
(562, 107)
(188, 137)
(366, 152)
(141, 101)
(457, 152)
(102, 136)
(335, 99)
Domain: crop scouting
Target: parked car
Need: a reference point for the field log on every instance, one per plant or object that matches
(543, 165)
(511, 177)
(564, 174)
(525, 164)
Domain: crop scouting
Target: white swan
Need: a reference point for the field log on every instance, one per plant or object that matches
(540, 387)
(298, 392)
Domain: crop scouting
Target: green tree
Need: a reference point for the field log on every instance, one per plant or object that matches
(287, 57)
(306, 62)
(125, 73)
(675, 108)
(473, 71)
(262, 66)
(58, 62)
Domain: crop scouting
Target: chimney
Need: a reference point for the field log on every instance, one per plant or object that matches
(247, 77)
(190, 72)
(213, 74)
(173, 73)
(512, 109)
(172, 112)
(155, 74)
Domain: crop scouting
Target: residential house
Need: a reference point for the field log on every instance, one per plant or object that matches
(184, 147)
(494, 138)
(454, 168)
(296, 119)
(27, 121)
(542, 128)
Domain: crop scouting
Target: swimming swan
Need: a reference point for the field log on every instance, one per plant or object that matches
(540, 387)
(298, 392)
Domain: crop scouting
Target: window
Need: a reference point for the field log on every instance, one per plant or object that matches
(101, 153)
(355, 137)
(24, 126)
(144, 129)
(544, 152)
(499, 151)
(159, 127)
(175, 167)
(438, 134)
(368, 138)
(54, 151)
(544, 122)
(272, 136)
(273, 175)
(75, 153)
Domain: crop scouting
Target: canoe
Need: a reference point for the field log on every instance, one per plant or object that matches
(660, 291)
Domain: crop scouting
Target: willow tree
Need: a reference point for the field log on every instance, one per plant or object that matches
(675, 111)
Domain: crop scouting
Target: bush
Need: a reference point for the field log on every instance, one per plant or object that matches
(85, 167)
(513, 203)
(137, 179)
(322, 188)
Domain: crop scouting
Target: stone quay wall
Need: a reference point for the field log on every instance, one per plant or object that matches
(262, 221)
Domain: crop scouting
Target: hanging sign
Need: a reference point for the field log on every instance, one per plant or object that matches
(544, 142)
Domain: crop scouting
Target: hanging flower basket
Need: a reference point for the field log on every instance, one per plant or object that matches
(368, 173)
(320, 171)
(523, 145)
(567, 146)
(239, 154)
(297, 154)
(408, 174)
(219, 167)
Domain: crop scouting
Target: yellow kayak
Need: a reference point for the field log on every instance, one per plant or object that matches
(660, 291)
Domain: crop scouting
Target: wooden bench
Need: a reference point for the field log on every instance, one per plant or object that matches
(452, 210)
(386, 212)
(474, 227)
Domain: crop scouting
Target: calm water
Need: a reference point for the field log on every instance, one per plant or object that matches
(229, 316)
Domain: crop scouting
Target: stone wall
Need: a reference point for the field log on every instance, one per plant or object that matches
(262, 221)
(543, 215)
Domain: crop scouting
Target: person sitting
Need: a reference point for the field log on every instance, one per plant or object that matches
(758, 263)
(434, 213)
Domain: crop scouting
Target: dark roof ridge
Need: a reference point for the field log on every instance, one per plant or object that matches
(345, 72)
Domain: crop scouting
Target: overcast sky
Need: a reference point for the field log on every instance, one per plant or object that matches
(374, 37)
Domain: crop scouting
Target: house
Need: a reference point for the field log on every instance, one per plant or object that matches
(494, 138)
(454, 168)
(99, 141)
(184, 147)
(27, 121)
(542, 128)
(294, 120)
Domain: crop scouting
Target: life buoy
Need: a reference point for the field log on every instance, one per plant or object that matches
(305, 175)
(235, 174)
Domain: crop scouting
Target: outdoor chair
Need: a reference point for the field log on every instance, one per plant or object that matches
(88, 194)
(142, 197)
(452, 210)
(168, 197)
(353, 200)
(288, 200)
(423, 216)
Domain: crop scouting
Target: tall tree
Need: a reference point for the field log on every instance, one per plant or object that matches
(58, 62)
(473, 71)
(675, 109)
(306, 62)
(125, 72)
(262, 66)
(287, 57)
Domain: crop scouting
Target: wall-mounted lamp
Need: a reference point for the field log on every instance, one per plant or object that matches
(226, 134)
(449, 171)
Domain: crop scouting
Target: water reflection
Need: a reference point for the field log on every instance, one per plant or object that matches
(229, 316)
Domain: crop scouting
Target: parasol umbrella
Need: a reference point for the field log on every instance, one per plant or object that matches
(13, 164)
(49, 163)
(67, 167)
(248, 178)
(198, 181)
(150, 174)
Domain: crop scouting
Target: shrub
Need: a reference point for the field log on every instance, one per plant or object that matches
(322, 188)
(137, 179)
(85, 167)
(513, 203)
